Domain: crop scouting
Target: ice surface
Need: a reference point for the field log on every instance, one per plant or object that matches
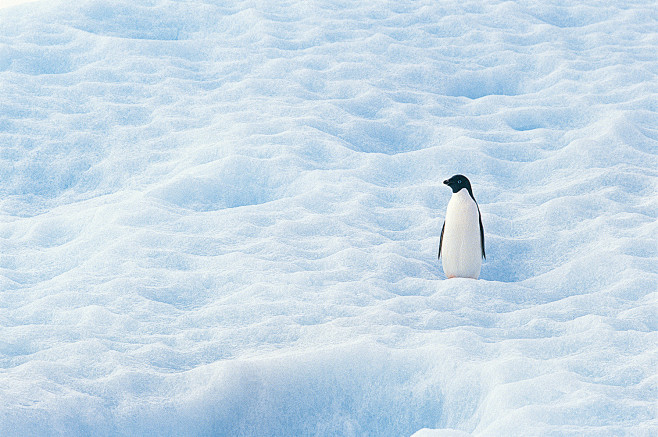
(222, 218)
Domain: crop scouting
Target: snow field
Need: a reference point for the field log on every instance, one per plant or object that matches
(222, 219)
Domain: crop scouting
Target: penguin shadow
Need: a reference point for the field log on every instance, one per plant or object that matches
(509, 260)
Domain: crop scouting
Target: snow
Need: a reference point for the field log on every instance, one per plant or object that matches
(10, 3)
(222, 218)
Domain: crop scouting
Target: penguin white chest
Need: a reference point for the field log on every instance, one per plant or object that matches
(461, 247)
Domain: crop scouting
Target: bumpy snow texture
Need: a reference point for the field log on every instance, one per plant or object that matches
(222, 218)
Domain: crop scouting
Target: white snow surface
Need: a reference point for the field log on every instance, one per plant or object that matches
(222, 218)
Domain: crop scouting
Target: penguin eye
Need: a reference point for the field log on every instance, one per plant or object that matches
(459, 181)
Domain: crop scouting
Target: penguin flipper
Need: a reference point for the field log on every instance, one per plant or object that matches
(481, 234)
(441, 240)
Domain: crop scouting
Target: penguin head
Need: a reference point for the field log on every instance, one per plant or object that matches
(458, 182)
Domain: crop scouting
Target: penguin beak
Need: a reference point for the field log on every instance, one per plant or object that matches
(446, 182)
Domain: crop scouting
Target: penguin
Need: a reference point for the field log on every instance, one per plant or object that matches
(462, 235)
